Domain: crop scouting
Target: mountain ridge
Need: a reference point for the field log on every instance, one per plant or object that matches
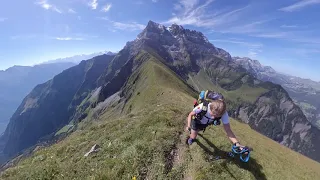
(79, 58)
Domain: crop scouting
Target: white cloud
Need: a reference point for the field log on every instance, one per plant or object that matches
(106, 8)
(57, 10)
(253, 48)
(299, 5)
(70, 10)
(241, 20)
(289, 26)
(3, 19)
(192, 12)
(272, 35)
(93, 4)
(128, 26)
(249, 28)
(69, 39)
(123, 26)
(236, 41)
(252, 54)
(45, 5)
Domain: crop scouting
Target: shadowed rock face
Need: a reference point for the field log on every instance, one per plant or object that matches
(304, 92)
(275, 115)
(17, 81)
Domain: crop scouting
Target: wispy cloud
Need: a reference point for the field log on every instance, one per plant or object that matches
(69, 39)
(132, 26)
(289, 26)
(154, 1)
(3, 19)
(70, 10)
(271, 35)
(249, 44)
(299, 5)
(128, 26)
(45, 5)
(245, 28)
(252, 54)
(239, 20)
(93, 4)
(253, 48)
(192, 12)
(57, 10)
(106, 8)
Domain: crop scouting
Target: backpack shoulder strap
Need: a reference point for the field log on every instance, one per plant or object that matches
(204, 110)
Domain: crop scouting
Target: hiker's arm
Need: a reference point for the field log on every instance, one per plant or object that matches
(195, 110)
(189, 118)
(230, 133)
(227, 128)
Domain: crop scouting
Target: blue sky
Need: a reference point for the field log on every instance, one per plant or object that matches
(283, 34)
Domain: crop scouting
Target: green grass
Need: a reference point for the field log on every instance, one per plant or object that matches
(65, 129)
(201, 81)
(143, 139)
(246, 93)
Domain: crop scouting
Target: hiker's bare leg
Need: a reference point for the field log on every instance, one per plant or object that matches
(193, 134)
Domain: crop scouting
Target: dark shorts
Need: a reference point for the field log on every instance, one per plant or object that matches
(197, 126)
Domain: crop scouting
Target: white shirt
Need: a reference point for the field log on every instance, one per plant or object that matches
(204, 120)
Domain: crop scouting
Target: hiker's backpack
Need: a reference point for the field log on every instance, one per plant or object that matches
(206, 97)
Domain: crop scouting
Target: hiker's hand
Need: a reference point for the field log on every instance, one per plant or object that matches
(239, 145)
(188, 129)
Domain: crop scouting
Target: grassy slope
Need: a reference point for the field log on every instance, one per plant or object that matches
(201, 81)
(147, 142)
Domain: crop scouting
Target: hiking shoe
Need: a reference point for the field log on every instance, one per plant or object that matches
(190, 141)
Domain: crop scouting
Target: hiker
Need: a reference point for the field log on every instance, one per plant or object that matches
(209, 112)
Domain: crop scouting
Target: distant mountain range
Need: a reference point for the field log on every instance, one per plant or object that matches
(305, 92)
(78, 58)
(17, 81)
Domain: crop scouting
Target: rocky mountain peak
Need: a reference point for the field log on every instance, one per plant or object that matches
(154, 27)
(176, 38)
(176, 29)
(253, 65)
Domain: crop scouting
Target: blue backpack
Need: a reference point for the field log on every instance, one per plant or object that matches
(207, 96)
